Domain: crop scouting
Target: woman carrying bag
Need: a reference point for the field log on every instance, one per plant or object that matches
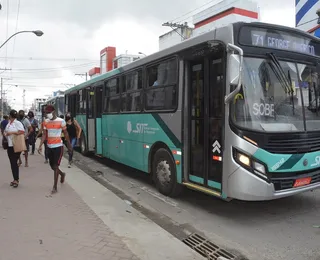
(14, 133)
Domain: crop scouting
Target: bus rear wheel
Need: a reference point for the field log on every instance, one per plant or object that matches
(165, 173)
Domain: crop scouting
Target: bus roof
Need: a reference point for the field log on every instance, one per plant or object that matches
(53, 98)
(208, 36)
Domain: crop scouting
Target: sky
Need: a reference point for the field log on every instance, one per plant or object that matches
(76, 30)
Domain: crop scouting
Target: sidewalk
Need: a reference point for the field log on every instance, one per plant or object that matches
(83, 221)
(35, 225)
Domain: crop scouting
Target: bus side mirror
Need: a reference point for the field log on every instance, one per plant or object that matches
(234, 65)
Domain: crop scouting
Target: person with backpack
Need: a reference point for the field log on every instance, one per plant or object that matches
(74, 132)
(27, 131)
(32, 137)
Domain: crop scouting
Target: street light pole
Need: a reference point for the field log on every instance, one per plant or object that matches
(37, 33)
(2, 99)
(2, 92)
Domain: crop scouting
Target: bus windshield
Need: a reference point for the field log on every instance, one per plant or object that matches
(277, 96)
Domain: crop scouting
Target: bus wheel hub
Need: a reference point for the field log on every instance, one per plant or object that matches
(163, 172)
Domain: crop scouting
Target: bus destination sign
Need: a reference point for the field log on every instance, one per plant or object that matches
(276, 39)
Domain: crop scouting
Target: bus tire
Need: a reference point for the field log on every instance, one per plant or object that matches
(165, 173)
(83, 145)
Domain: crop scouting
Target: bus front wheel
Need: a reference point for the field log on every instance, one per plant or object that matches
(165, 174)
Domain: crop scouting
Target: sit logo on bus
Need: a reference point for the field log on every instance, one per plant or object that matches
(140, 128)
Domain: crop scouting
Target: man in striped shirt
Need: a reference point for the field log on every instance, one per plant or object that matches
(53, 128)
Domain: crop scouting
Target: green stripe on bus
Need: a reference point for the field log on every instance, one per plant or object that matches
(291, 162)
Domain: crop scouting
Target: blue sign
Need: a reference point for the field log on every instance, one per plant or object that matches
(317, 33)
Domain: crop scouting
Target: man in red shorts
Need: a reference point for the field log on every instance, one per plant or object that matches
(52, 129)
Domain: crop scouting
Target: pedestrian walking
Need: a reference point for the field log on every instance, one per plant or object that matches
(62, 135)
(74, 132)
(40, 133)
(14, 127)
(28, 130)
(4, 123)
(53, 128)
(32, 138)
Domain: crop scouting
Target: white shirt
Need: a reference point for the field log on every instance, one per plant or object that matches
(14, 126)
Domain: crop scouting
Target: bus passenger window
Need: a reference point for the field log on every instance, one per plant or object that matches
(161, 98)
(132, 81)
(131, 102)
(165, 77)
(112, 96)
(113, 104)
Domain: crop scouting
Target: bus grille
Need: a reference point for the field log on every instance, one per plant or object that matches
(293, 143)
(288, 182)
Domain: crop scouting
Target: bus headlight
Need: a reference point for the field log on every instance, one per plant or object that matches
(249, 163)
(244, 159)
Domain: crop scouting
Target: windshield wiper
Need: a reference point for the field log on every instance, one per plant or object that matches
(285, 81)
(282, 77)
(302, 100)
(292, 100)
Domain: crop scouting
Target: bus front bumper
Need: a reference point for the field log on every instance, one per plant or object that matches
(244, 185)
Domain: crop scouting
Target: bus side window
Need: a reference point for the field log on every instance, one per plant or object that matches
(79, 102)
(131, 100)
(165, 77)
(112, 96)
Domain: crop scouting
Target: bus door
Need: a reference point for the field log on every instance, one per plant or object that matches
(206, 92)
(98, 107)
(91, 126)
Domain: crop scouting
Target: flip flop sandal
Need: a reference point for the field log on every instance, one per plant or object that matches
(62, 178)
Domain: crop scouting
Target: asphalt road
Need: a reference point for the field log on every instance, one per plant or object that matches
(284, 229)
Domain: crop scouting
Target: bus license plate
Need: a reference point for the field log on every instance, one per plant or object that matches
(302, 182)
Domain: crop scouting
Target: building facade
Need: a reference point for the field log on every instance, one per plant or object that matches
(307, 16)
(218, 15)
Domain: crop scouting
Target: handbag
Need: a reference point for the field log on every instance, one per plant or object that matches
(5, 143)
(19, 143)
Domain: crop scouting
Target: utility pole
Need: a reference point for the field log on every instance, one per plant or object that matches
(82, 74)
(24, 100)
(176, 26)
(2, 114)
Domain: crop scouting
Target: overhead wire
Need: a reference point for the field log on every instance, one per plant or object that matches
(307, 22)
(53, 69)
(193, 11)
(7, 31)
(206, 15)
(49, 59)
(179, 20)
(16, 30)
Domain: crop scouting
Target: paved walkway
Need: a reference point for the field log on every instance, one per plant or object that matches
(35, 225)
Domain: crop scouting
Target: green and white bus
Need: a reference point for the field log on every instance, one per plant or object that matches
(234, 112)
